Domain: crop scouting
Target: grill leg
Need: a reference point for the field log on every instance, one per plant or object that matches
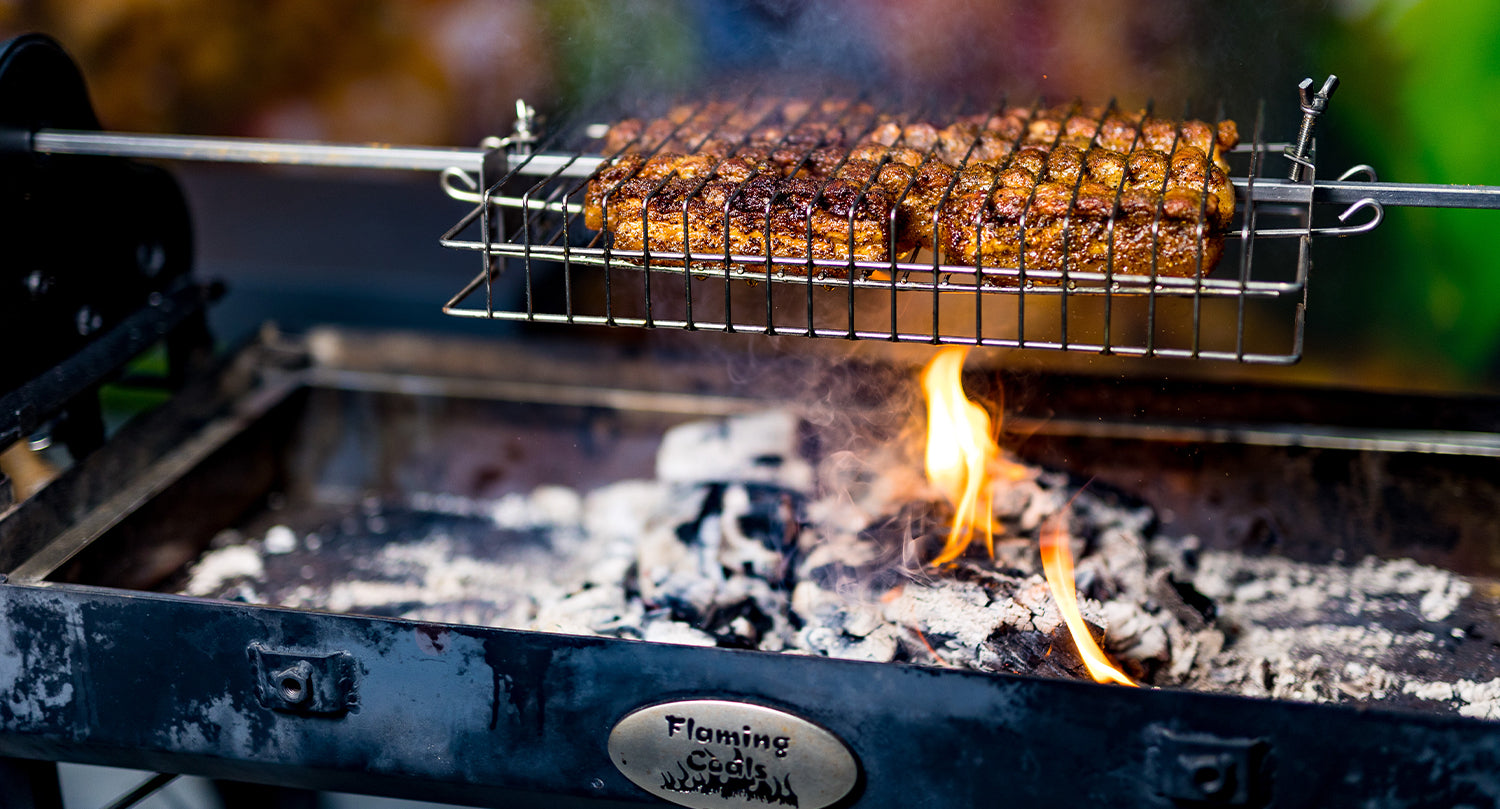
(28, 784)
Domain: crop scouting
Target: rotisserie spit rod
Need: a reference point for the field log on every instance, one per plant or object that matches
(562, 164)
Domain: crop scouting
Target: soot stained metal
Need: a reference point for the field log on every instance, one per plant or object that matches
(427, 724)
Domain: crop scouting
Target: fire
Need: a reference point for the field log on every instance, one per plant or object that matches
(1057, 563)
(960, 452)
(963, 462)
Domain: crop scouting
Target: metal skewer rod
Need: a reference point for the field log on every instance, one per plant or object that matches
(298, 153)
(250, 150)
(1345, 192)
(436, 158)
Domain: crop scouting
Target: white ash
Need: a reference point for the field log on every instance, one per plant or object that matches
(544, 506)
(676, 632)
(224, 566)
(757, 447)
(1134, 633)
(1332, 633)
(1371, 583)
(280, 539)
(741, 542)
(1481, 700)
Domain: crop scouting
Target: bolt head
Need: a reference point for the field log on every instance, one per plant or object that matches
(87, 320)
(38, 284)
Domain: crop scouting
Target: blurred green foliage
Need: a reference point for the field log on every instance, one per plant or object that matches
(1420, 101)
(604, 48)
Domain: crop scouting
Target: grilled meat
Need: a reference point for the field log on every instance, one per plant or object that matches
(1089, 189)
(979, 138)
(741, 206)
(723, 125)
(918, 185)
(1062, 206)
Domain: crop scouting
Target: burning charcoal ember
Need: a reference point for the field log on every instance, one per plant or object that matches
(963, 611)
(1032, 653)
(1027, 503)
(896, 541)
(993, 623)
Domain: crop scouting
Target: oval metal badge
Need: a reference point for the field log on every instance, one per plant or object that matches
(709, 753)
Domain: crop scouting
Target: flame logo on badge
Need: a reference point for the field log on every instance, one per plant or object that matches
(739, 777)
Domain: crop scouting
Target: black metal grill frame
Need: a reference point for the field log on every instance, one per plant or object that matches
(495, 717)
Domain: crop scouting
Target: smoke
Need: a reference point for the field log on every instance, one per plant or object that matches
(980, 50)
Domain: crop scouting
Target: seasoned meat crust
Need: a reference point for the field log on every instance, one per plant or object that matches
(700, 204)
(721, 125)
(1062, 203)
(718, 125)
(835, 179)
(993, 137)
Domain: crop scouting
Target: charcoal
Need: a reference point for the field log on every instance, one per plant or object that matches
(916, 528)
(706, 566)
(1136, 636)
(739, 625)
(776, 516)
(837, 576)
(758, 513)
(1193, 609)
(1038, 654)
(740, 542)
(841, 635)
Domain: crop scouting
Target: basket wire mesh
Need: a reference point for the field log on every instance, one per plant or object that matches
(529, 221)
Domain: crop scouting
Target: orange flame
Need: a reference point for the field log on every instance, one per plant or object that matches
(1057, 563)
(959, 452)
(962, 462)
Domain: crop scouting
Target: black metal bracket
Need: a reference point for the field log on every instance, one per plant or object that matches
(1203, 770)
(313, 684)
(98, 258)
(23, 410)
